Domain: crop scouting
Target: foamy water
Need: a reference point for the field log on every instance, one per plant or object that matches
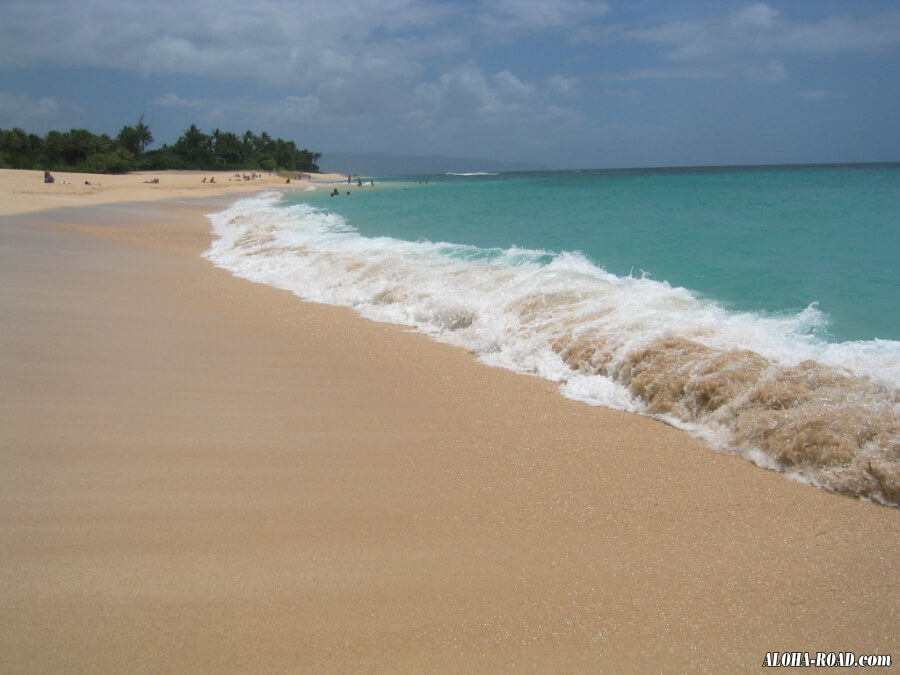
(760, 386)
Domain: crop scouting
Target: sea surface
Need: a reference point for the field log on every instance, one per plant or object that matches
(755, 307)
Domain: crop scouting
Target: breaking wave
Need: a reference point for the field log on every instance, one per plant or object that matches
(762, 386)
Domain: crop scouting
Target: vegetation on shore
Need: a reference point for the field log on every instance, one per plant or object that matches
(82, 151)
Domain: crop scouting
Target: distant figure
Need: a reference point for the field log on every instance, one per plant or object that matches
(47, 177)
(335, 192)
(204, 179)
(372, 183)
(349, 177)
(359, 182)
(212, 180)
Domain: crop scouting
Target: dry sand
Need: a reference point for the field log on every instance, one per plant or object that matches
(24, 191)
(201, 474)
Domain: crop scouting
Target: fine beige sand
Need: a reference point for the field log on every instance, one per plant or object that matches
(201, 474)
(24, 191)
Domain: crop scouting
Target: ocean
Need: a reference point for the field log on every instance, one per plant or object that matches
(758, 308)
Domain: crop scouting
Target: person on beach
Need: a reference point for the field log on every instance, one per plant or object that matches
(48, 178)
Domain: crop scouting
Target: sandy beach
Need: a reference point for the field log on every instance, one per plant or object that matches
(202, 474)
(24, 191)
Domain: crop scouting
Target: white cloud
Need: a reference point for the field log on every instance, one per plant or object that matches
(772, 72)
(761, 29)
(27, 112)
(511, 87)
(465, 92)
(504, 19)
(758, 16)
(308, 43)
(755, 28)
(460, 92)
(296, 41)
(833, 35)
(297, 108)
(563, 86)
(752, 42)
(172, 54)
(171, 100)
(275, 40)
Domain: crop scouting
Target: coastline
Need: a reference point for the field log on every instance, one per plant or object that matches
(201, 473)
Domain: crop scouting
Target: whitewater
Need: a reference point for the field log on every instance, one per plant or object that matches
(768, 386)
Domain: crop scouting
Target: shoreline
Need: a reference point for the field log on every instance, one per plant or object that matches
(202, 473)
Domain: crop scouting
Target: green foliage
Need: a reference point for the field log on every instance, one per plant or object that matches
(17, 149)
(81, 150)
(120, 161)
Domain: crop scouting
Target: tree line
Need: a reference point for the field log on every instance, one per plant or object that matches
(80, 150)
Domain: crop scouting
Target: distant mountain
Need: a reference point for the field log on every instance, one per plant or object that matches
(384, 164)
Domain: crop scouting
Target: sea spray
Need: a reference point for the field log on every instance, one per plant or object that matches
(763, 386)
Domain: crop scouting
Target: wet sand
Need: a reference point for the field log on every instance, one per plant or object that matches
(201, 474)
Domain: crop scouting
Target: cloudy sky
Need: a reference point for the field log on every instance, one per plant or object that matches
(566, 83)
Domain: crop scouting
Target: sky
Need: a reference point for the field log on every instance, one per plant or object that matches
(563, 83)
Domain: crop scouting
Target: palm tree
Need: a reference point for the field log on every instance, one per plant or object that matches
(142, 134)
(136, 138)
(194, 146)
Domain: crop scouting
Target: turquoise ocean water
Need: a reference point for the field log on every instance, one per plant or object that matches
(757, 307)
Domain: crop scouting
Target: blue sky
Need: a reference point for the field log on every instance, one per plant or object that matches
(566, 83)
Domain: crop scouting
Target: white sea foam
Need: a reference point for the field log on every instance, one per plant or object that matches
(746, 383)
